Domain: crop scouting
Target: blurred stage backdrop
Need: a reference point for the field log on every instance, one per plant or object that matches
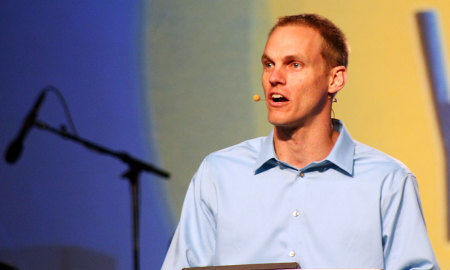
(170, 81)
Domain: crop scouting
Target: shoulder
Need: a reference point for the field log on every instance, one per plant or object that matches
(239, 159)
(370, 159)
(246, 150)
(230, 163)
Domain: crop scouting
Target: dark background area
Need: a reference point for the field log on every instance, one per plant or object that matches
(63, 206)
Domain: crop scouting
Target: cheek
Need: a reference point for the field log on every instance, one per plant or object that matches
(265, 80)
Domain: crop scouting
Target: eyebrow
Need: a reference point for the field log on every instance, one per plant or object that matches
(265, 57)
(292, 57)
(285, 58)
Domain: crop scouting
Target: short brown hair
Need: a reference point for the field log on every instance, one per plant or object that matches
(335, 50)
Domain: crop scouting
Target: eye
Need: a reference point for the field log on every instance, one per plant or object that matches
(268, 65)
(296, 65)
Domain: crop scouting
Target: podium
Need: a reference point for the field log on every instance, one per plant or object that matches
(265, 266)
(262, 266)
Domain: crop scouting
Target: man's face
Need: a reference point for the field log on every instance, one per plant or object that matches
(295, 77)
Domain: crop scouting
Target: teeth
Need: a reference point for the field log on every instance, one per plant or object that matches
(277, 96)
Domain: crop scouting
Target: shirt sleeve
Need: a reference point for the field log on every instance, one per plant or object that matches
(405, 240)
(193, 243)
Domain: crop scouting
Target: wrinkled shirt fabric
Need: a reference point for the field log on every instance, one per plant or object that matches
(357, 208)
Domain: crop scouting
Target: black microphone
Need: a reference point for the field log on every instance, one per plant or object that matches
(15, 147)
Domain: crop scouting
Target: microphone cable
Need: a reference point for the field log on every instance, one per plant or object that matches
(63, 102)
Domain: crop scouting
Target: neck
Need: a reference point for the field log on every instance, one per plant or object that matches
(299, 146)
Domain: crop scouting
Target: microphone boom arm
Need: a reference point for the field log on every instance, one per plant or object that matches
(126, 158)
(135, 166)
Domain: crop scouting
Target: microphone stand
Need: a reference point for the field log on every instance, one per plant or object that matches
(135, 167)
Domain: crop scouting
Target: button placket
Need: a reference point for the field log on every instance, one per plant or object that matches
(296, 220)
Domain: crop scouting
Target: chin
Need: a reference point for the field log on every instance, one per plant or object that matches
(280, 123)
(285, 123)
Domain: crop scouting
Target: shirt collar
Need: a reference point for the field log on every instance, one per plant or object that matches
(267, 157)
(341, 155)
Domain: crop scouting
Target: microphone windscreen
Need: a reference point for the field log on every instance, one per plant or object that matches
(14, 150)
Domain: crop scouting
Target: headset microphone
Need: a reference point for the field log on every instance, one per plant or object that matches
(256, 97)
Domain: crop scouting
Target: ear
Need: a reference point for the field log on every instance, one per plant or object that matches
(338, 77)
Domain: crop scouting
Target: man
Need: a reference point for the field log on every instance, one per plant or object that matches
(307, 192)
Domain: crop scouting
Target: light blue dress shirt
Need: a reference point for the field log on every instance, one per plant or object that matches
(357, 208)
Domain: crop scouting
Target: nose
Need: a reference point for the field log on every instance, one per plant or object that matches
(277, 76)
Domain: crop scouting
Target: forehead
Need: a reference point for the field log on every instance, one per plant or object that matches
(294, 39)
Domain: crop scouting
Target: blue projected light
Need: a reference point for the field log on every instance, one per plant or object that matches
(63, 207)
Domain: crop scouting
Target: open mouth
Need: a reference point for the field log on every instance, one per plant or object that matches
(278, 98)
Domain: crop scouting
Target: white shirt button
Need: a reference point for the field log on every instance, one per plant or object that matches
(301, 174)
(296, 213)
(291, 254)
